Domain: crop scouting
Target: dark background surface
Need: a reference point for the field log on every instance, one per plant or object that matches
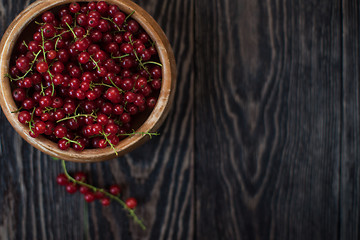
(262, 141)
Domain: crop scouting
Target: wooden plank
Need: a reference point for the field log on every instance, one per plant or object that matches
(267, 119)
(159, 174)
(350, 168)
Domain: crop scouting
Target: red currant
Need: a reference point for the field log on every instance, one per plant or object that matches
(131, 203)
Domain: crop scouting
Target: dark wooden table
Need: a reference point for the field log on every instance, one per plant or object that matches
(262, 141)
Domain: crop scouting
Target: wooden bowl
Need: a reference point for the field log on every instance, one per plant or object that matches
(151, 122)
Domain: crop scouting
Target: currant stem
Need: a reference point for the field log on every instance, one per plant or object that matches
(48, 109)
(39, 23)
(120, 57)
(72, 141)
(150, 134)
(52, 84)
(42, 89)
(109, 19)
(17, 110)
(108, 141)
(137, 57)
(32, 121)
(96, 63)
(95, 189)
(120, 90)
(75, 116)
(59, 35)
(56, 43)
(100, 84)
(127, 17)
(152, 62)
(43, 43)
(71, 31)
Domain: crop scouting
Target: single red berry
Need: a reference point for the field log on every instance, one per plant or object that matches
(119, 18)
(105, 201)
(84, 189)
(66, 19)
(89, 197)
(19, 94)
(42, 67)
(125, 117)
(80, 176)
(83, 57)
(74, 7)
(62, 180)
(156, 84)
(58, 67)
(71, 188)
(49, 30)
(51, 54)
(99, 195)
(60, 131)
(28, 104)
(23, 64)
(63, 144)
(131, 202)
(81, 19)
(40, 127)
(24, 117)
(115, 190)
(79, 31)
(48, 17)
(34, 46)
(151, 102)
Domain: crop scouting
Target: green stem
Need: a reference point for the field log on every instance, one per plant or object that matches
(48, 109)
(17, 110)
(120, 57)
(120, 90)
(108, 141)
(56, 43)
(127, 17)
(42, 89)
(100, 84)
(72, 141)
(25, 44)
(52, 83)
(76, 116)
(137, 57)
(32, 120)
(43, 43)
(96, 63)
(140, 133)
(109, 19)
(59, 35)
(95, 189)
(39, 23)
(156, 63)
(71, 31)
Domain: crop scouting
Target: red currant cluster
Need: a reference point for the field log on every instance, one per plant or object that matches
(86, 72)
(90, 192)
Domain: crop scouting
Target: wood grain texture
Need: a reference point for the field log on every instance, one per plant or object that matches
(262, 141)
(159, 174)
(268, 88)
(350, 167)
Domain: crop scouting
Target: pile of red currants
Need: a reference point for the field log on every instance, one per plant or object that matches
(85, 75)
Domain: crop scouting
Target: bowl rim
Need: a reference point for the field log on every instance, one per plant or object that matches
(151, 124)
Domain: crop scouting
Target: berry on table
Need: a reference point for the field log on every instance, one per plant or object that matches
(131, 202)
